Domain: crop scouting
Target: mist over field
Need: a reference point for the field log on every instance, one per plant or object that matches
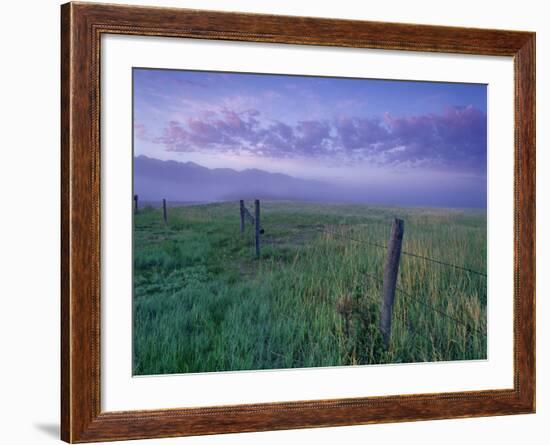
(189, 182)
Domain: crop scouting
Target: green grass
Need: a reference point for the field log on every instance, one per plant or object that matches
(203, 302)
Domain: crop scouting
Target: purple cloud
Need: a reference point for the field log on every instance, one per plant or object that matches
(455, 139)
(361, 133)
(140, 130)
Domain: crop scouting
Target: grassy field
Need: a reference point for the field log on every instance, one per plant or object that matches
(203, 302)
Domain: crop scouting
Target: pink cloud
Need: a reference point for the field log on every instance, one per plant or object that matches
(455, 139)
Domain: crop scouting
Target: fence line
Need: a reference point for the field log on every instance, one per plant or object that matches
(248, 216)
(403, 252)
(389, 283)
(411, 254)
(254, 220)
(423, 303)
(381, 246)
(443, 263)
(391, 272)
(410, 329)
(439, 311)
(433, 308)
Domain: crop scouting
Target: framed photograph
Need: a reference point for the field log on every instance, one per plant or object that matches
(274, 222)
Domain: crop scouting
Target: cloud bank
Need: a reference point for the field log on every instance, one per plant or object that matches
(454, 140)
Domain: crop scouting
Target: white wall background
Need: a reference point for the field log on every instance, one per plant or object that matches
(29, 222)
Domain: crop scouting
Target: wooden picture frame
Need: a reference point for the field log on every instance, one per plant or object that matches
(82, 25)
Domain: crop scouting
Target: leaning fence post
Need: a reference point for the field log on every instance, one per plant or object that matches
(241, 202)
(391, 268)
(135, 203)
(164, 214)
(257, 226)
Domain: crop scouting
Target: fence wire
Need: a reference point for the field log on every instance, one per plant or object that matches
(427, 305)
(411, 254)
(409, 327)
(439, 311)
(345, 236)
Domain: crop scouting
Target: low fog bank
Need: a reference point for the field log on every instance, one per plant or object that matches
(188, 182)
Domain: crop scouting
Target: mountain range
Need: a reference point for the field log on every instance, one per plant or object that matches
(155, 179)
(186, 181)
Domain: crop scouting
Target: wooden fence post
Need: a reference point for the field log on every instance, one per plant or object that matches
(135, 203)
(391, 268)
(257, 226)
(164, 214)
(241, 202)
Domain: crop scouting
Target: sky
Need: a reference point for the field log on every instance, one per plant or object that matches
(430, 137)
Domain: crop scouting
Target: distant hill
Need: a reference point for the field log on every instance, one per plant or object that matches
(189, 182)
(186, 181)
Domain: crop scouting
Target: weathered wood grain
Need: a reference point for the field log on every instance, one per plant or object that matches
(391, 268)
(257, 226)
(241, 210)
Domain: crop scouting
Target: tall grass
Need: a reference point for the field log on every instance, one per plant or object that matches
(202, 302)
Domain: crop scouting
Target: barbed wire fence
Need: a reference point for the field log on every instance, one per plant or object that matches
(389, 281)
